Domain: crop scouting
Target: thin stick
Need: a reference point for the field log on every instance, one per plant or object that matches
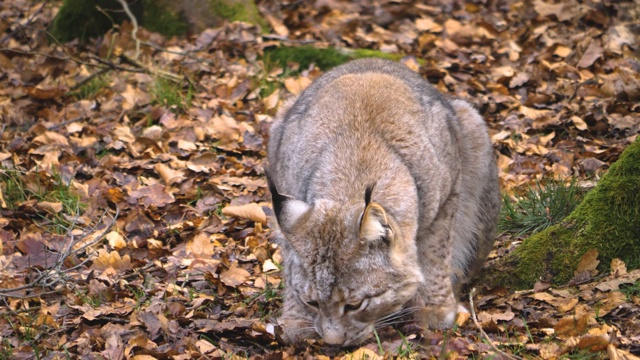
(286, 39)
(187, 54)
(484, 334)
(57, 126)
(134, 21)
(58, 272)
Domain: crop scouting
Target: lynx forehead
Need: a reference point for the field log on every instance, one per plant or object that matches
(386, 199)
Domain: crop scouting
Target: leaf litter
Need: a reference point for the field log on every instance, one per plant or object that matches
(172, 150)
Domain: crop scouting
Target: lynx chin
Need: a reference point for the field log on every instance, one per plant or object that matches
(386, 199)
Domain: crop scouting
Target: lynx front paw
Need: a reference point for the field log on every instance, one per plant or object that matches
(440, 316)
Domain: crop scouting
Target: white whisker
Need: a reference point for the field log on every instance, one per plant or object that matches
(389, 323)
(399, 314)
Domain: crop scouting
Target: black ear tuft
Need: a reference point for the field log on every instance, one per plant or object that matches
(277, 198)
(367, 194)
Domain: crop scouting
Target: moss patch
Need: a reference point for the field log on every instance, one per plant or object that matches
(608, 220)
(305, 56)
(366, 53)
(322, 58)
(239, 10)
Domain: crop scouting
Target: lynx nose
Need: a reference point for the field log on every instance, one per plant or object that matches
(332, 335)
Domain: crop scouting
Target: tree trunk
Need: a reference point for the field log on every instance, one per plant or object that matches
(607, 220)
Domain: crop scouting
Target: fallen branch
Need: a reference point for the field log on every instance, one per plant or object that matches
(187, 54)
(57, 126)
(58, 272)
(484, 334)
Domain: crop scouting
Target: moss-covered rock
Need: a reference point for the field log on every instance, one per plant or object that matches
(323, 58)
(608, 220)
(83, 19)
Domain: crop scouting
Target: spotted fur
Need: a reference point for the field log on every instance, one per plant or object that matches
(433, 208)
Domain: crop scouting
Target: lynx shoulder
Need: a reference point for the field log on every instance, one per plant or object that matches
(386, 199)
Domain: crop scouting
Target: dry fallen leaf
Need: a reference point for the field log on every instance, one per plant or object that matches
(363, 353)
(200, 246)
(296, 85)
(568, 305)
(251, 211)
(613, 300)
(617, 354)
(268, 265)
(588, 263)
(579, 123)
(234, 276)
(485, 317)
(111, 260)
(572, 326)
(462, 318)
(593, 53)
(618, 267)
(116, 240)
(168, 175)
(53, 207)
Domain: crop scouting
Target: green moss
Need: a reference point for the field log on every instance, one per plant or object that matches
(323, 58)
(305, 56)
(239, 10)
(160, 19)
(608, 220)
(366, 53)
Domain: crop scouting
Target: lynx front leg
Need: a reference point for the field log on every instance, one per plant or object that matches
(436, 296)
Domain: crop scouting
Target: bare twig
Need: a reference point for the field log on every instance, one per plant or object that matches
(484, 334)
(285, 39)
(115, 66)
(187, 54)
(57, 126)
(139, 68)
(134, 32)
(19, 311)
(58, 272)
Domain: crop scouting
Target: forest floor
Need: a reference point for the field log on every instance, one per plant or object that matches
(134, 205)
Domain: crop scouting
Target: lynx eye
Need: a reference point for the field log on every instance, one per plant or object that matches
(313, 304)
(356, 306)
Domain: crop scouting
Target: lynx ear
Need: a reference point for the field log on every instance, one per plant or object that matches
(374, 224)
(288, 210)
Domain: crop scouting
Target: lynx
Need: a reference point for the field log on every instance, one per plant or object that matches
(386, 198)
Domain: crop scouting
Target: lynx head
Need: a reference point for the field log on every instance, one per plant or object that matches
(347, 264)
